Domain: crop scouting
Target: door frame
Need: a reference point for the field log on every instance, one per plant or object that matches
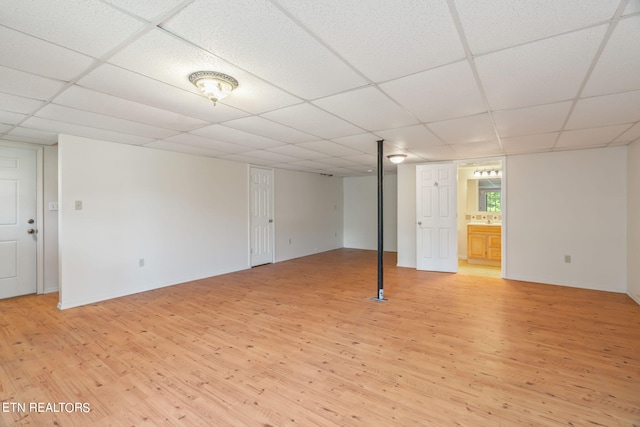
(273, 213)
(503, 204)
(39, 149)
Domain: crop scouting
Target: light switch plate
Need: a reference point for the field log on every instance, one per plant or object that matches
(53, 206)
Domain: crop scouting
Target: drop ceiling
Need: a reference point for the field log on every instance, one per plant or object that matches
(321, 81)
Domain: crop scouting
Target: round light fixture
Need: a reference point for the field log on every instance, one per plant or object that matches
(397, 158)
(213, 85)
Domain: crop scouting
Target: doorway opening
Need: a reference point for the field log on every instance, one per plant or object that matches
(480, 218)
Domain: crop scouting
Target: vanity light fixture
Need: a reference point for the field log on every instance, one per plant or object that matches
(484, 173)
(397, 158)
(213, 85)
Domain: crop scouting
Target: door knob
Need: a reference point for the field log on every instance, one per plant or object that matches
(270, 221)
(32, 231)
(419, 222)
(31, 221)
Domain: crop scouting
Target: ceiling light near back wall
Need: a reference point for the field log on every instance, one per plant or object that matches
(397, 158)
(213, 85)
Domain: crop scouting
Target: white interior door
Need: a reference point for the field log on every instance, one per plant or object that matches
(437, 239)
(18, 227)
(261, 221)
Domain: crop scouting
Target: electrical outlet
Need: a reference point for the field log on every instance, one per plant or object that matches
(78, 205)
(567, 259)
(141, 262)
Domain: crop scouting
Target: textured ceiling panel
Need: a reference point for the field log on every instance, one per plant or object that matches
(592, 137)
(147, 9)
(466, 129)
(436, 79)
(496, 24)
(275, 48)
(445, 93)
(606, 110)
(608, 76)
(547, 71)
(148, 56)
(26, 53)
(532, 120)
(367, 108)
(383, 39)
(312, 120)
(88, 26)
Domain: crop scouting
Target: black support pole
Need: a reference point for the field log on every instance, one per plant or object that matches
(380, 296)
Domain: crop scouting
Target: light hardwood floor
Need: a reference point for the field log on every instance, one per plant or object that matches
(302, 343)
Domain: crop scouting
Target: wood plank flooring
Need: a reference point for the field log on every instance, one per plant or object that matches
(301, 343)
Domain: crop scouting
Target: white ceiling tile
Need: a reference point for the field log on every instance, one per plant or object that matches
(97, 102)
(35, 56)
(412, 136)
(310, 119)
(466, 129)
(270, 156)
(632, 7)
(364, 142)
(297, 152)
(147, 9)
(441, 152)
(87, 26)
(59, 127)
(28, 140)
(532, 120)
(331, 149)
(529, 143)
(312, 164)
(379, 38)
(631, 135)
(276, 48)
(606, 110)
(181, 148)
(479, 149)
(368, 108)
(340, 162)
(19, 83)
(496, 24)
(439, 94)
(47, 138)
(125, 84)
(207, 143)
(166, 58)
(547, 71)
(368, 160)
(622, 48)
(18, 104)
(9, 118)
(243, 158)
(593, 137)
(223, 133)
(85, 118)
(268, 128)
(5, 128)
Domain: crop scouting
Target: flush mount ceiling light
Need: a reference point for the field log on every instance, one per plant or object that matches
(397, 158)
(213, 85)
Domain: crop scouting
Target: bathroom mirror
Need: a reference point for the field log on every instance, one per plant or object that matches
(484, 195)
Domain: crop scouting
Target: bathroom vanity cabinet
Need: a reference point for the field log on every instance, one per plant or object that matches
(484, 244)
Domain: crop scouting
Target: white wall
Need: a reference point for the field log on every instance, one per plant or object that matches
(568, 203)
(407, 215)
(187, 216)
(633, 232)
(361, 212)
(308, 213)
(572, 202)
(50, 234)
